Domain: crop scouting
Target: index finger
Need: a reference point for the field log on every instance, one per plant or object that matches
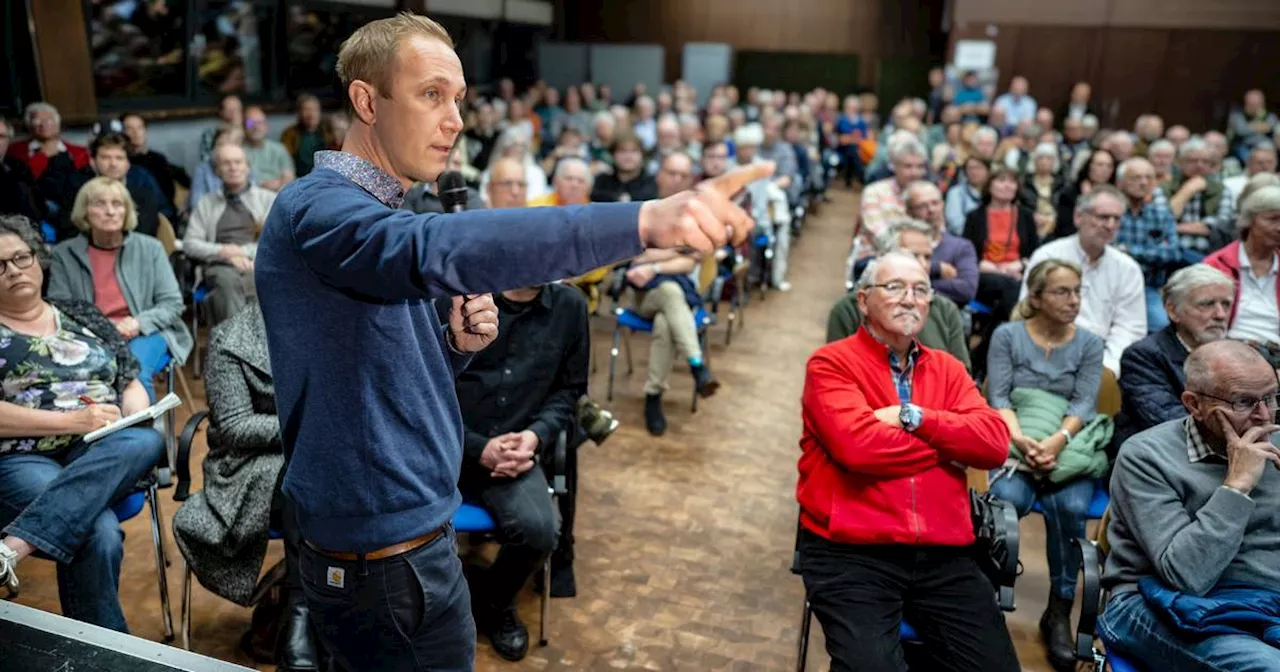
(1224, 423)
(1255, 434)
(736, 180)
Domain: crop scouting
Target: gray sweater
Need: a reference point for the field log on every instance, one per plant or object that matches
(1171, 518)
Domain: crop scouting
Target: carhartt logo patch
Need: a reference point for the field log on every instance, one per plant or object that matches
(337, 577)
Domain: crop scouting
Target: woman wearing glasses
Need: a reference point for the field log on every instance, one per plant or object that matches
(1043, 375)
(64, 372)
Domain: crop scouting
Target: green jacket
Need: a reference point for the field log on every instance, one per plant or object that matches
(1040, 414)
(943, 329)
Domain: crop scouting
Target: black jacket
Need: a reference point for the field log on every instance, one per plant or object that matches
(975, 230)
(1151, 384)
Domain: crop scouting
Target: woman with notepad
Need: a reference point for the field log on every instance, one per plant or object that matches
(64, 373)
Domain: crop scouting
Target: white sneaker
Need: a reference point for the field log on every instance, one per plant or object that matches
(784, 286)
(8, 570)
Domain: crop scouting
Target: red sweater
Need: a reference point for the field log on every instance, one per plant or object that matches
(38, 161)
(865, 482)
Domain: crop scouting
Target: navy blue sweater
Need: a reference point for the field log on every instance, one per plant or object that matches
(363, 376)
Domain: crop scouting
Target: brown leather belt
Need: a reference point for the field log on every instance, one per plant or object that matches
(382, 553)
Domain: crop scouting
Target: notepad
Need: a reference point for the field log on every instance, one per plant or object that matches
(150, 413)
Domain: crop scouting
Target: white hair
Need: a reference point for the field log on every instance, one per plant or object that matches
(986, 132)
(1161, 145)
(1049, 150)
(1265, 199)
(750, 135)
(891, 238)
(1089, 121)
(1124, 166)
(1189, 279)
(33, 108)
(1193, 144)
(868, 277)
(575, 160)
(604, 115)
(903, 146)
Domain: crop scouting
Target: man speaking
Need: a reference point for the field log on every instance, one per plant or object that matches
(363, 369)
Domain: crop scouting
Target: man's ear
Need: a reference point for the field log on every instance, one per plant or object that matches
(862, 302)
(362, 94)
(1192, 402)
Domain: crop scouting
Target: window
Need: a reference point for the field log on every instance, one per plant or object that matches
(138, 47)
(312, 37)
(231, 47)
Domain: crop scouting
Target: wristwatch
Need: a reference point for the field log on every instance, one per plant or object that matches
(911, 416)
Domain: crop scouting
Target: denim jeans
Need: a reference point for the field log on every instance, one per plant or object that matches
(1157, 319)
(1131, 628)
(862, 593)
(1065, 510)
(526, 520)
(409, 612)
(60, 505)
(153, 355)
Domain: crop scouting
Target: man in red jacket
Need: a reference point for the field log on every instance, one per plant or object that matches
(889, 428)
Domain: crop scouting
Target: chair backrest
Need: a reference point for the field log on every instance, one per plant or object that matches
(166, 235)
(1103, 545)
(1109, 394)
(707, 273)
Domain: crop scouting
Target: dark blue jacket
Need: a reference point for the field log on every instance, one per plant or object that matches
(1227, 610)
(364, 382)
(1151, 384)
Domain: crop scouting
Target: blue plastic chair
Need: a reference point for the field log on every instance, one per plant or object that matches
(628, 321)
(763, 243)
(198, 297)
(1097, 506)
(473, 519)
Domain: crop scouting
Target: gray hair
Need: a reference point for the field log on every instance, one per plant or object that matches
(1189, 279)
(29, 232)
(1160, 146)
(904, 147)
(606, 116)
(564, 161)
(917, 186)
(868, 277)
(1124, 166)
(1089, 121)
(985, 131)
(1046, 149)
(1193, 144)
(1264, 199)
(1264, 147)
(751, 135)
(889, 239)
(33, 108)
(1200, 363)
(1085, 202)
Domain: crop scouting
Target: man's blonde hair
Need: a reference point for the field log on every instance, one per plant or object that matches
(369, 54)
(97, 188)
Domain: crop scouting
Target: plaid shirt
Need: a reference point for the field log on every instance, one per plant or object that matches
(902, 373)
(1150, 236)
(1198, 449)
(1194, 212)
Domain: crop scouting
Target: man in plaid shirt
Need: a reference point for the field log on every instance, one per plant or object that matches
(1148, 233)
(1204, 208)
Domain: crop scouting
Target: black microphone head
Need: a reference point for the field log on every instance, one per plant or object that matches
(453, 191)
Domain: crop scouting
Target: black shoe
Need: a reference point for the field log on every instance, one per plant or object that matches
(562, 581)
(296, 646)
(707, 383)
(654, 420)
(506, 632)
(1055, 627)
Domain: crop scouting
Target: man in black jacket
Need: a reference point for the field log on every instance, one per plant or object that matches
(17, 185)
(1198, 299)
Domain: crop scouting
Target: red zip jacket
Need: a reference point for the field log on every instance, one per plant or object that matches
(865, 482)
(1227, 260)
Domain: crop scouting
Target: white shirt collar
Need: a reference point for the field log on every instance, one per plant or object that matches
(1246, 265)
(38, 146)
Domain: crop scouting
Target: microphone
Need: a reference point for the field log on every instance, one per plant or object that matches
(453, 191)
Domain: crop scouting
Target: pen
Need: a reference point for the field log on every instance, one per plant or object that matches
(84, 399)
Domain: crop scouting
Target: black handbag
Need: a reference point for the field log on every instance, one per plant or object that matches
(995, 527)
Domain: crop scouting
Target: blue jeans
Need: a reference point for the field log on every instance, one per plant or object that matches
(1157, 319)
(60, 505)
(1065, 510)
(409, 612)
(153, 355)
(1131, 628)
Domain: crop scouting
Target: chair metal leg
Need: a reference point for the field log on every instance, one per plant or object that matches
(165, 612)
(802, 655)
(728, 333)
(613, 361)
(195, 337)
(626, 345)
(546, 602)
(186, 605)
(164, 540)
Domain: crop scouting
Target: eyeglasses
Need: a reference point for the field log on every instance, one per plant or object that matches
(898, 290)
(1245, 404)
(510, 184)
(20, 261)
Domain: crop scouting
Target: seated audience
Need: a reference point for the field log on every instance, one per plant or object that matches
(45, 125)
(311, 133)
(1097, 168)
(1198, 299)
(67, 373)
(1148, 233)
(769, 208)
(944, 326)
(1112, 305)
(1204, 209)
(1193, 524)
(966, 195)
(1043, 188)
(110, 158)
(1043, 376)
(205, 180)
(422, 197)
(1253, 265)
(1251, 124)
(570, 184)
(882, 201)
(17, 185)
(1262, 159)
(222, 529)
(628, 180)
(1162, 155)
(272, 163)
(230, 113)
(889, 429)
(1003, 234)
(514, 143)
(223, 233)
(786, 173)
(126, 275)
(167, 175)
(954, 269)
(515, 400)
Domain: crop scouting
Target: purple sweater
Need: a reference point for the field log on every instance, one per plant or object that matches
(958, 252)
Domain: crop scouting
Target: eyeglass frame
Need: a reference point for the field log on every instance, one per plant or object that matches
(4, 263)
(1273, 399)
(916, 290)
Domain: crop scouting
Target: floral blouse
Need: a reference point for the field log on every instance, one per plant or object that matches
(55, 373)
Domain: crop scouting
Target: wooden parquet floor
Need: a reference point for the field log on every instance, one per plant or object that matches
(683, 542)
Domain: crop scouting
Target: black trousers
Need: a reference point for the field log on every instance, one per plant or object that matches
(861, 595)
(527, 528)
